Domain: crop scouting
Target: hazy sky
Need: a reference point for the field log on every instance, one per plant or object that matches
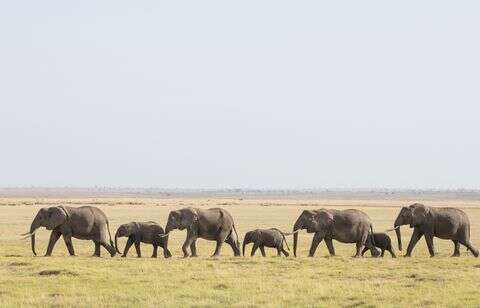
(214, 94)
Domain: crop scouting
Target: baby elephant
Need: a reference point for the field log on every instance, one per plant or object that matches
(145, 232)
(260, 238)
(382, 241)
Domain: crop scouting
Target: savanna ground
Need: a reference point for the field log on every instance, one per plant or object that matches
(324, 281)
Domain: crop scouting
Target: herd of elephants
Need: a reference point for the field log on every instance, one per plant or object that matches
(216, 224)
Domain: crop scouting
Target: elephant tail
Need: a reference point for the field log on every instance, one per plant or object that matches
(235, 229)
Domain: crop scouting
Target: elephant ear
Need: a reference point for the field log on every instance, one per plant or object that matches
(131, 228)
(325, 218)
(189, 217)
(56, 217)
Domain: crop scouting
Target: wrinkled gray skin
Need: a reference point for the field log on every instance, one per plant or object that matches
(442, 222)
(262, 238)
(347, 226)
(84, 223)
(142, 232)
(210, 224)
(382, 241)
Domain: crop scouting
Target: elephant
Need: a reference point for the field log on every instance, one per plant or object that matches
(382, 241)
(346, 226)
(262, 238)
(84, 223)
(442, 222)
(145, 232)
(213, 224)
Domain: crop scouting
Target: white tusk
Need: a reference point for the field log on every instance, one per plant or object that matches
(388, 230)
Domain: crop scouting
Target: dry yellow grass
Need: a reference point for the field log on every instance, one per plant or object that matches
(228, 281)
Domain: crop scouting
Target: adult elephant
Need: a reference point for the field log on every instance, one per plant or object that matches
(210, 224)
(346, 226)
(442, 222)
(85, 223)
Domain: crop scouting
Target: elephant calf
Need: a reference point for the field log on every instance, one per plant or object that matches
(145, 232)
(261, 238)
(382, 241)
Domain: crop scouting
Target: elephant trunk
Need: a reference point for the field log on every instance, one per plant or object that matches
(34, 226)
(243, 248)
(397, 225)
(116, 242)
(298, 225)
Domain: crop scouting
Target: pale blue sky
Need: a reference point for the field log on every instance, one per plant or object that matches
(255, 94)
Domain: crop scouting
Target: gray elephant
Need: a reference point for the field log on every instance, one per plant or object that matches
(346, 226)
(84, 223)
(442, 222)
(262, 238)
(142, 232)
(382, 241)
(210, 224)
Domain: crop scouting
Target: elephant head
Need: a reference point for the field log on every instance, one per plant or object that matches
(312, 221)
(405, 217)
(181, 219)
(250, 237)
(420, 216)
(50, 218)
(125, 230)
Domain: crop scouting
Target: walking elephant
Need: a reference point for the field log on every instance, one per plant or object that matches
(262, 238)
(142, 232)
(84, 223)
(210, 224)
(346, 226)
(442, 222)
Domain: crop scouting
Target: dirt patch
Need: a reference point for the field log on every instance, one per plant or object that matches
(19, 264)
(220, 287)
(56, 273)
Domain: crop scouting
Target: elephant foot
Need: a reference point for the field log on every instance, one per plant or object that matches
(194, 256)
(455, 255)
(407, 256)
(475, 253)
(124, 256)
(47, 255)
(154, 256)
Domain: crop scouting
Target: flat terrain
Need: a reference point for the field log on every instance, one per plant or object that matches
(228, 281)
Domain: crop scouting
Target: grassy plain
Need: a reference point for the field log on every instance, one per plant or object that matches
(322, 281)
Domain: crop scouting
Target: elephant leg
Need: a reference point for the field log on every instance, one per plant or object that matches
(469, 246)
(166, 252)
(155, 249)
(383, 252)
(109, 248)
(96, 253)
(285, 252)
(190, 239)
(137, 248)
(330, 247)
(54, 236)
(279, 251)
(193, 248)
(127, 246)
(317, 238)
(68, 242)
(416, 236)
(456, 249)
(262, 250)
(254, 249)
(365, 249)
(359, 246)
(220, 239)
(390, 250)
(234, 244)
(429, 240)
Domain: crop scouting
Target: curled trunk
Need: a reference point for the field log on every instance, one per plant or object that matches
(297, 226)
(243, 248)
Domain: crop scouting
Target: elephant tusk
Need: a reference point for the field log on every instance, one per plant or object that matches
(163, 235)
(388, 230)
(27, 235)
